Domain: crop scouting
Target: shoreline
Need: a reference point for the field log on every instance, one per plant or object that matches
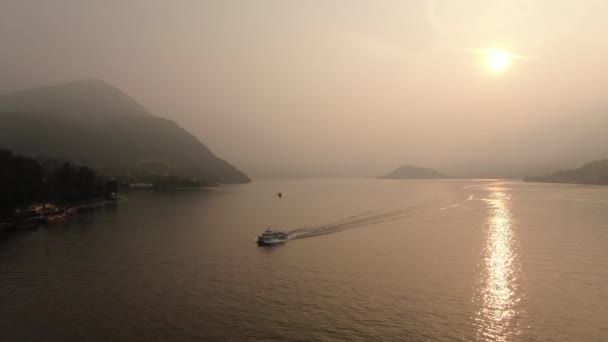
(45, 213)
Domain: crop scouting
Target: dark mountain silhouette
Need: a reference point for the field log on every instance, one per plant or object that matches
(595, 172)
(413, 172)
(92, 123)
(81, 100)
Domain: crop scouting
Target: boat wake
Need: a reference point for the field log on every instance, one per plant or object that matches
(449, 206)
(371, 218)
(356, 221)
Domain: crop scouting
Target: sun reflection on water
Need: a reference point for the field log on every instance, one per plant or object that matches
(498, 292)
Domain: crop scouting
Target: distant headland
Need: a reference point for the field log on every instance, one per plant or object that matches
(72, 145)
(413, 172)
(90, 122)
(595, 172)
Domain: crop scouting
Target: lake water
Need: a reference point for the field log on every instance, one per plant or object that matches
(369, 260)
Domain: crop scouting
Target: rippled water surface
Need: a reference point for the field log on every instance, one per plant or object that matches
(367, 260)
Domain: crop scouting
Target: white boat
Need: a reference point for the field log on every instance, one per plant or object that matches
(270, 237)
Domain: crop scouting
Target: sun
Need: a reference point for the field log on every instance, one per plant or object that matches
(497, 61)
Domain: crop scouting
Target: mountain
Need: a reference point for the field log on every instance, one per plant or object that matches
(595, 172)
(93, 123)
(413, 172)
(81, 100)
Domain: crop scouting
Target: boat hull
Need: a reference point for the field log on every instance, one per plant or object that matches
(265, 242)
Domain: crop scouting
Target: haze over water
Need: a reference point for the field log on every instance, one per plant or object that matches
(492, 88)
(368, 260)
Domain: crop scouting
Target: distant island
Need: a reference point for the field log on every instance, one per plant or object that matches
(92, 123)
(595, 172)
(413, 172)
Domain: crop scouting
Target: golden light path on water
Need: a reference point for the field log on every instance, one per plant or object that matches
(499, 291)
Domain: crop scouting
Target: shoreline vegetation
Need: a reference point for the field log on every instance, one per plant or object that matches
(35, 192)
(38, 192)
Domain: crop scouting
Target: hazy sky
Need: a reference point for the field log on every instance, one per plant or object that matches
(337, 87)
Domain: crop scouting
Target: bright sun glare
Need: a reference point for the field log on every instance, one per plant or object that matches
(497, 61)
